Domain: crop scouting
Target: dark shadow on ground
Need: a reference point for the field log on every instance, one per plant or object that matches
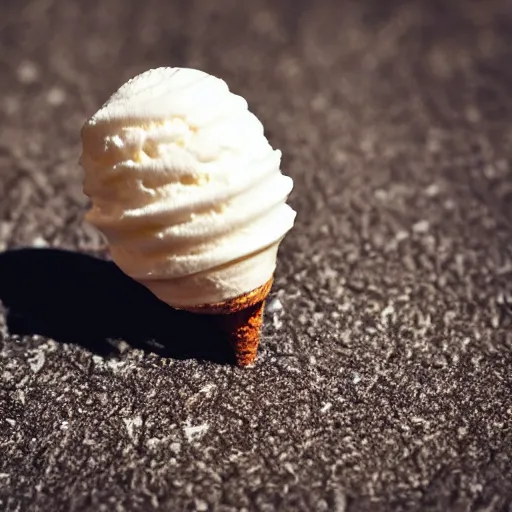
(75, 298)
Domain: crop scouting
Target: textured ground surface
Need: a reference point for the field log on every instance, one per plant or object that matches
(385, 374)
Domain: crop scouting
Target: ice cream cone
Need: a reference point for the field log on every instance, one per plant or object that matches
(190, 196)
(240, 318)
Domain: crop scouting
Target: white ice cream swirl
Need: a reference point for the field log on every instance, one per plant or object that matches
(186, 187)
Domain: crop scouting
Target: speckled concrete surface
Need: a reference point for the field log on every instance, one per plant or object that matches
(385, 373)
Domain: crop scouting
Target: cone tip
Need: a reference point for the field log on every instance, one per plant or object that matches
(243, 328)
(240, 319)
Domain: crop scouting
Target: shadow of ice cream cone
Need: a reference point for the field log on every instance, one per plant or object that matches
(80, 299)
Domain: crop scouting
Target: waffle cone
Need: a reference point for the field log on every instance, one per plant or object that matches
(240, 318)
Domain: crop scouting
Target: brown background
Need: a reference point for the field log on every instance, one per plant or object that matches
(384, 381)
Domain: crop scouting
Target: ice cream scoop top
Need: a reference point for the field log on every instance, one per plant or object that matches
(183, 181)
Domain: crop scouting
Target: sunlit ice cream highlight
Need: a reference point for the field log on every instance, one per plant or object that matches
(186, 187)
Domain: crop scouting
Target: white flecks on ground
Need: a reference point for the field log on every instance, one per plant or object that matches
(208, 388)
(27, 72)
(132, 424)
(346, 306)
(449, 204)
(489, 171)
(432, 190)
(339, 156)
(466, 342)
(345, 337)
(64, 425)
(326, 407)
(5, 231)
(277, 322)
(381, 194)
(37, 362)
(155, 442)
(274, 305)
(421, 226)
(388, 314)
(11, 422)
(303, 319)
(289, 468)
(122, 346)
(327, 273)
(21, 396)
(98, 360)
(201, 506)
(39, 242)
(459, 264)
(417, 420)
(317, 316)
(195, 432)
(56, 96)
(175, 447)
(401, 235)
(113, 364)
(340, 500)
(357, 378)
(205, 390)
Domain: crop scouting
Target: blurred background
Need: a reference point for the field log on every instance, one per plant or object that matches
(347, 87)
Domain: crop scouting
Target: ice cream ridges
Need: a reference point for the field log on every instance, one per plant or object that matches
(189, 193)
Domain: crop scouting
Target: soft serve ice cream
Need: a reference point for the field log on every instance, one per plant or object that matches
(186, 187)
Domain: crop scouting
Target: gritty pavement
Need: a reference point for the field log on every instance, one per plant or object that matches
(384, 380)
